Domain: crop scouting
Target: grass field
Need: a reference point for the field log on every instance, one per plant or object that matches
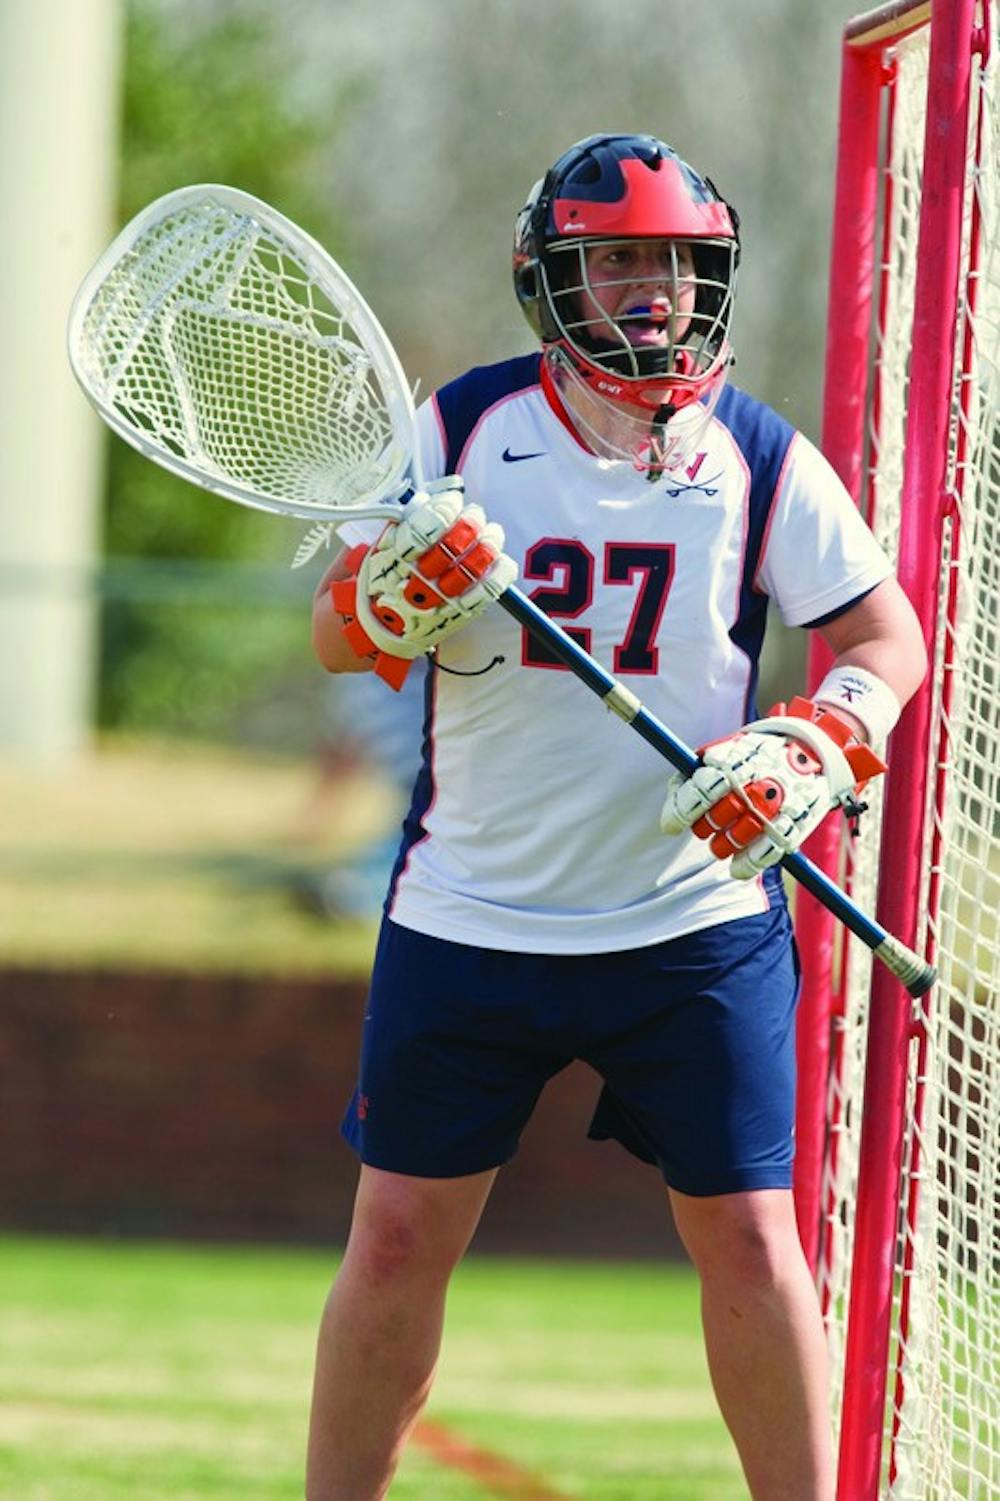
(145, 1372)
(134, 1372)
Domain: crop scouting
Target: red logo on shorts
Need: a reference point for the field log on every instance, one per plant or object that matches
(362, 1107)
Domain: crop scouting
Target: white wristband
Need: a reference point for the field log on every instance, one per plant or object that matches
(865, 696)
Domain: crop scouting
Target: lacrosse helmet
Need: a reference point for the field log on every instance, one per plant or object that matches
(629, 188)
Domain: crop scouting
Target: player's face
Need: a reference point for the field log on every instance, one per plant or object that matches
(645, 287)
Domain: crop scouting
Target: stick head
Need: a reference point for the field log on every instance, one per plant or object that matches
(224, 343)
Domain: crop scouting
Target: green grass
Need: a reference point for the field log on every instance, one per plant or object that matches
(144, 1372)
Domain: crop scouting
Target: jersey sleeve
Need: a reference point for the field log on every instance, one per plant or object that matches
(818, 556)
(430, 451)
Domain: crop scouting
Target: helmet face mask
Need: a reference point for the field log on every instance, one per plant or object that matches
(625, 267)
(663, 324)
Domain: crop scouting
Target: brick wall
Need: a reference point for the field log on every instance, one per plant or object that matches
(208, 1106)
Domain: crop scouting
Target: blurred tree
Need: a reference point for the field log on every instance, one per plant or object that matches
(210, 96)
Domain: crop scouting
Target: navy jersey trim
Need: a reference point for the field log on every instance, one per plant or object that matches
(414, 831)
(811, 625)
(462, 402)
(763, 438)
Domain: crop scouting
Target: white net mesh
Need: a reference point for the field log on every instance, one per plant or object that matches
(943, 1417)
(212, 345)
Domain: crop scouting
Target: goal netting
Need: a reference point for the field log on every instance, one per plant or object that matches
(911, 1287)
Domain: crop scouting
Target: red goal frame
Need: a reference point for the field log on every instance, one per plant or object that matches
(958, 31)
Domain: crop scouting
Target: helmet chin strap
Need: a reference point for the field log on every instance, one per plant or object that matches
(656, 441)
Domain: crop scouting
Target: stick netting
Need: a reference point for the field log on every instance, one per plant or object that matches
(943, 1413)
(211, 343)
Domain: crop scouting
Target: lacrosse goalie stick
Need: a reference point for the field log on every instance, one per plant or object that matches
(226, 345)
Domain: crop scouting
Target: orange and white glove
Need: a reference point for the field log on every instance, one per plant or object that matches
(760, 792)
(427, 575)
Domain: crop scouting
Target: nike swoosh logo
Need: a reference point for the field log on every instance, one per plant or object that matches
(517, 458)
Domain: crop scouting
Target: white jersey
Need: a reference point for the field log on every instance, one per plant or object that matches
(535, 818)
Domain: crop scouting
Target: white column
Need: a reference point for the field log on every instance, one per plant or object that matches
(59, 112)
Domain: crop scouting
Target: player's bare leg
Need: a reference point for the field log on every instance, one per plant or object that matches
(381, 1327)
(764, 1338)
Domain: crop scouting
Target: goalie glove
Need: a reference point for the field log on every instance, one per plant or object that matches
(759, 793)
(426, 576)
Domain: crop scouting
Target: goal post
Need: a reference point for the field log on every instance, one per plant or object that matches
(898, 1160)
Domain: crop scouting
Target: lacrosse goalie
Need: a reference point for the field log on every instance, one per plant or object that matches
(551, 899)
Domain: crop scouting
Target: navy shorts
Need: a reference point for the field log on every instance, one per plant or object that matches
(694, 1039)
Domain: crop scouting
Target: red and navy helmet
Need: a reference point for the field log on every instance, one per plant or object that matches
(611, 188)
